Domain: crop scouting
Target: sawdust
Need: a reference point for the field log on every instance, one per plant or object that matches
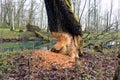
(49, 60)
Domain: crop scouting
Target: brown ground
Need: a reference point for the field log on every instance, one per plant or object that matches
(46, 65)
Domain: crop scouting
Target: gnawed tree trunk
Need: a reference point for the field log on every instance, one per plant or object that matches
(65, 27)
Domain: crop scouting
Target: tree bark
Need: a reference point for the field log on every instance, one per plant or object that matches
(65, 27)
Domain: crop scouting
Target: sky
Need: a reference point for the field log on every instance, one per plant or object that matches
(107, 3)
(105, 6)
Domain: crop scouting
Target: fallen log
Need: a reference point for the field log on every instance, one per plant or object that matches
(44, 37)
(37, 31)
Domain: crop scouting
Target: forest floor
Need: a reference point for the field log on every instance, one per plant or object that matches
(46, 65)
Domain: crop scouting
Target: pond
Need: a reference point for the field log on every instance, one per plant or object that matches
(17, 46)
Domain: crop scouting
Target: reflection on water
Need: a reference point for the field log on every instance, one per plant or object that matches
(16, 46)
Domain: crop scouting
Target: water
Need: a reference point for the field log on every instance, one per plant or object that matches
(31, 45)
(16, 46)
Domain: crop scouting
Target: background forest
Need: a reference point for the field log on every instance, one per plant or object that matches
(100, 19)
(93, 14)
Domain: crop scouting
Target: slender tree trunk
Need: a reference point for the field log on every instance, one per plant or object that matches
(82, 10)
(42, 9)
(13, 27)
(89, 13)
(1, 12)
(79, 3)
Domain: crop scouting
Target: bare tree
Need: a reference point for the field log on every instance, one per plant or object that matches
(19, 11)
(32, 11)
(8, 8)
(1, 10)
(82, 10)
(42, 12)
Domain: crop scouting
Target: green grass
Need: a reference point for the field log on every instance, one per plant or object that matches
(7, 34)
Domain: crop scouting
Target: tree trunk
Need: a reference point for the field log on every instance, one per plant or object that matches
(82, 10)
(42, 9)
(65, 27)
(13, 27)
(1, 12)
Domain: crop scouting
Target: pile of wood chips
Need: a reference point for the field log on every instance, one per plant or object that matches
(50, 60)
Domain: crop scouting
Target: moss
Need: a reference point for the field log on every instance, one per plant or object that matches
(44, 37)
(71, 11)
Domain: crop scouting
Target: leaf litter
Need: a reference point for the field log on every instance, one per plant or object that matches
(46, 65)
